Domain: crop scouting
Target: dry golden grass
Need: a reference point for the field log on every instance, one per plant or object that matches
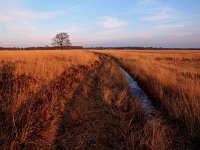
(172, 79)
(39, 68)
(81, 100)
(35, 86)
(137, 131)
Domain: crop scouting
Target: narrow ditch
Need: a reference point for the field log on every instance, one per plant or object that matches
(146, 103)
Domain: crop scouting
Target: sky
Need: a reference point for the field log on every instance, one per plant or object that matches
(149, 23)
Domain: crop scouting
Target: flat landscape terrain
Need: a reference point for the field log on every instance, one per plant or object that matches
(100, 99)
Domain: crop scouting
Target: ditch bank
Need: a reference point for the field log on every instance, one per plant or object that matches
(146, 104)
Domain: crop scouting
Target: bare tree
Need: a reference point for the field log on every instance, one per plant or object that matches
(61, 40)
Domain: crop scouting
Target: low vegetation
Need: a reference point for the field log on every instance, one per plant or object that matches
(81, 100)
(172, 80)
(34, 89)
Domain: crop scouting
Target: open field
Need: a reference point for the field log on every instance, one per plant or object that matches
(35, 87)
(172, 80)
(82, 100)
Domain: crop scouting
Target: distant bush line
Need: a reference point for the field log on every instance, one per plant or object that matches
(96, 48)
(141, 48)
(41, 48)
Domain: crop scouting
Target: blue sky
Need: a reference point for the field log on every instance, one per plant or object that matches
(158, 23)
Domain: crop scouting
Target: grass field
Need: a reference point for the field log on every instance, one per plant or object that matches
(80, 99)
(172, 80)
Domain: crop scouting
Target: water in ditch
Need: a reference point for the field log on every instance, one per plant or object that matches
(146, 103)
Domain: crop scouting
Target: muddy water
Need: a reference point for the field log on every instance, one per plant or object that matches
(146, 103)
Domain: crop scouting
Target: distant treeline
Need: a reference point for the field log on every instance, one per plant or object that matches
(41, 48)
(141, 48)
(96, 48)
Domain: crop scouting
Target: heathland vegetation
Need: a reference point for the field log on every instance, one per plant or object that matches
(81, 100)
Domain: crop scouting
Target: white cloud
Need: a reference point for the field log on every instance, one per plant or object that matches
(169, 26)
(18, 15)
(111, 22)
(22, 27)
(26, 14)
(15, 12)
(158, 17)
(163, 14)
(5, 19)
(18, 20)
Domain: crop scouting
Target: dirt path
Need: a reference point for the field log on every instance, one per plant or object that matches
(88, 123)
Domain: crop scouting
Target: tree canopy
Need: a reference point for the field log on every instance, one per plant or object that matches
(61, 40)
